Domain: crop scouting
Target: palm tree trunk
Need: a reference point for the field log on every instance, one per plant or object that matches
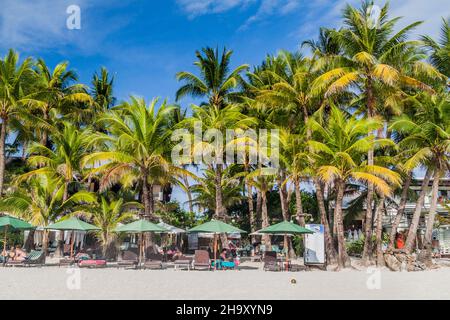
(265, 219)
(251, 211)
(220, 211)
(188, 193)
(379, 232)
(29, 243)
(400, 210)
(283, 197)
(2, 154)
(329, 247)
(432, 215)
(146, 195)
(45, 242)
(300, 215)
(412, 233)
(343, 259)
(44, 137)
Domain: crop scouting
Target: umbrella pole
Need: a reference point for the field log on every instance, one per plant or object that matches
(286, 252)
(71, 244)
(4, 242)
(215, 251)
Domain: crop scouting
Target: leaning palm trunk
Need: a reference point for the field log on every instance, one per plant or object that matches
(2, 154)
(188, 193)
(251, 211)
(412, 233)
(400, 210)
(285, 211)
(220, 211)
(379, 232)
(265, 220)
(300, 215)
(329, 247)
(343, 259)
(431, 217)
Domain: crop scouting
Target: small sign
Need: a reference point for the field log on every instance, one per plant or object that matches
(315, 244)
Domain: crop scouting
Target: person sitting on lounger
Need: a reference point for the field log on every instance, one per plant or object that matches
(19, 255)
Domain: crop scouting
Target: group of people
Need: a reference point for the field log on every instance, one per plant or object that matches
(15, 254)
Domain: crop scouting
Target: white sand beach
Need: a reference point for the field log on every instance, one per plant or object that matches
(112, 283)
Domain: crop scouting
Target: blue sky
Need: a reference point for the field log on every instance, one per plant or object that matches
(145, 43)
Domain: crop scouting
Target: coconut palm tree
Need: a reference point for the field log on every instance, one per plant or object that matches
(339, 146)
(369, 66)
(63, 159)
(440, 50)
(102, 90)
(16, 80)
(106, 213)
(40, 201)
(139, 144)
(215, 81)
(427, 143)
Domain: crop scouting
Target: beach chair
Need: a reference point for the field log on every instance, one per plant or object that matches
(182, 262)
(128, 259)
(34, 258)
(202, 260)
(270, 261)
(154, 261)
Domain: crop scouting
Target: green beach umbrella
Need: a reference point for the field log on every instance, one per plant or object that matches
(7, 222)
(216, 227)
(285, 228)
(141, 226)
(72, 224)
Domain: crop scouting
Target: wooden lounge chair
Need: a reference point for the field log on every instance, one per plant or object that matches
(202, 260)
(154, 261)
(128, 259)
(182, 262)
(270, 261)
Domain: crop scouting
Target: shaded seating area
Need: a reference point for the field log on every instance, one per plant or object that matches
(202, 260)
(34, 258)
(128, 259)
(154, 261)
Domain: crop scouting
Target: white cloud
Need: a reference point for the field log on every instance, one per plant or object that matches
(264, 8)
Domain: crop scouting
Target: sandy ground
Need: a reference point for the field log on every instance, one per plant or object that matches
(249, 283)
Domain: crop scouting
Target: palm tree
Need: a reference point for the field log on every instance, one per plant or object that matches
(55, 95)
(369, 66)
(263, 179)
(63, 160)
(15, 84)
(106, 213)
(40, 201)
(102, 90)
(139, 142)
(440, 50)
(218, 120)
(339, 146)
(427, 142)
(215, 82)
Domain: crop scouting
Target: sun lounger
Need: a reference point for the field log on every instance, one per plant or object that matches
(128, 259)
(65, 262)
(100, 263)
(154, 261)
(183, 262)
(271, 261)
(201, 260)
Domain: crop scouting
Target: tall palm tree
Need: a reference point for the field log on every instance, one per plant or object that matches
(369, 66)
(56, 93)
(440, 50)
(102, 89)
(340, 145)
(428, 143)
(215, 81)
(15, 83)
(214, 118)
(63, 159)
